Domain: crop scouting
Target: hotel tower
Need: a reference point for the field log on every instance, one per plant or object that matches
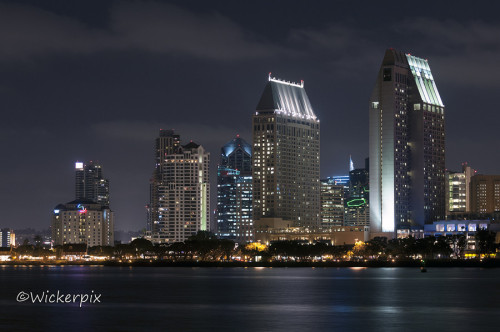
(407, 146)
(285, 169)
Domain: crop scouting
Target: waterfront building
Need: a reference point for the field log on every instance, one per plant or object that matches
(180, 190)
(335, 236)
(407, 146)
(83, 222)
(7, 238)
(485, 194)
(234, 192)
(286, 156)
(90, 184)
(332, 204)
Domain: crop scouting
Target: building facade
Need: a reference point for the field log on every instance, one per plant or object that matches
(407, 146)
(485, 194)
(7, 238)
(332, 204)
(234, 192)
(286, 156)
(83, 222)
(357, 203)
(90, 184)
(180, 190)
(167, 143)
(458, 190)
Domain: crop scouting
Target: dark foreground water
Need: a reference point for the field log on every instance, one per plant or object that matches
(253, 299)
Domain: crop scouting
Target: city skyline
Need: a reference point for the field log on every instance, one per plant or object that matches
(82, 93)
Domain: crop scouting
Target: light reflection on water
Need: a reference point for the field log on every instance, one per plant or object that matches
(278, 299)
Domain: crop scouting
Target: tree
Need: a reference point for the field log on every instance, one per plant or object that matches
(38, 240)
(457, 243)
(485, 242)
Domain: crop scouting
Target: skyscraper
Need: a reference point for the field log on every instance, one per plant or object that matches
(332, 204)
(180, 190)
(90, 184)
(357, 211)
(407, 142)
(88, 219)
(166, 143)
(234, 192)
(286, 154)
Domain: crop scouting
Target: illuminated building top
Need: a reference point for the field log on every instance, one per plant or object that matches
(424, 80)
(287, 98)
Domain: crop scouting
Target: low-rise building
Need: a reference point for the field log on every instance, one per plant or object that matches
(268, 230)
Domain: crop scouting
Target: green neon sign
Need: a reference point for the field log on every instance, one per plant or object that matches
(356, 202)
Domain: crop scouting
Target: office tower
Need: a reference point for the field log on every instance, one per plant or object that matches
(7, 238)
(89, 184)
(237, 154)
(83, 221)
(234, 192)
(485, 194)
(407, 157)
(357, 211)
(285, 170)
(457, 186)
(332, 204)
(341, 180)
(180, 190)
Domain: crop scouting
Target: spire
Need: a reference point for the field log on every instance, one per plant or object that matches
(351, 164)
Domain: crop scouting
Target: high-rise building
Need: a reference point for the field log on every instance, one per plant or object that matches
(407, 146)
(84, 222)
(180, 190)
(7, 237)
(286, 156)
(458, 190)
(332, 204)
(357, 211)
(167, 143)
(234, 192)
(341, 180)
(90, 184)
(485, 194)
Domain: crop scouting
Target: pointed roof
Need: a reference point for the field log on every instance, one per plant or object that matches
(233, 144)
(191, 145)
(285, 97)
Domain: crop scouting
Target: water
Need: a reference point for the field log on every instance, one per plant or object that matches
(253, 299)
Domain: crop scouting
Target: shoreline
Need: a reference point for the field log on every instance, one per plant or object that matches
(485, 263)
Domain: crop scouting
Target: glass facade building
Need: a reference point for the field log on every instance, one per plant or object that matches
(234, 192)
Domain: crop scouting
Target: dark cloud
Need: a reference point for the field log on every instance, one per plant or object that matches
(466, 52)
(145, 26)
(98, 79)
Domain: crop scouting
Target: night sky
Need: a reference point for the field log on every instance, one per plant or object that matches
(96, 80)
